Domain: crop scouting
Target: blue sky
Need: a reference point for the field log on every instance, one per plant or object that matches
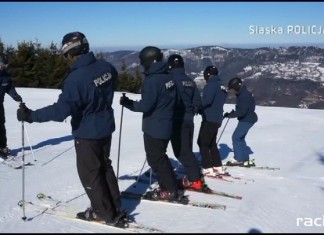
(133, 25)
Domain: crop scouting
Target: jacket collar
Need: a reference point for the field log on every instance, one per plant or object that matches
(83, 60)
(157, 68)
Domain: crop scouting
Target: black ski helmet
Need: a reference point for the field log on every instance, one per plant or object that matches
(74, 43)
(235, 84)
(149, 55)
(3, 60)
(210, 70)
(175, 61)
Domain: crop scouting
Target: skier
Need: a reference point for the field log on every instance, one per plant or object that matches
(246, 116)
(157, 105)
(187, 105)
(213, 99)
(6, 87)
(87, 96)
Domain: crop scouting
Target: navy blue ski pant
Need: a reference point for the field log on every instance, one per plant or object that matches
(160, 163)
(181, 141)
(3, 136)
(207, 144)
(98, 177)
(240, 148)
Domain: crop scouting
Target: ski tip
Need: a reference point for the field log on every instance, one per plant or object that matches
(41, 195)
(20, 203)
(26, 164)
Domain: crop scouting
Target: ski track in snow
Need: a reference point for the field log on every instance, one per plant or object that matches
(272, 203)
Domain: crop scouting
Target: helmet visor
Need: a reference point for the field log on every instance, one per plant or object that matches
(72, 44)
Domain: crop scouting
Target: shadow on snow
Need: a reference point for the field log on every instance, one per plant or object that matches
(53, 141)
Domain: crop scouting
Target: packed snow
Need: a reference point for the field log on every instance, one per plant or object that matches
(274, 201)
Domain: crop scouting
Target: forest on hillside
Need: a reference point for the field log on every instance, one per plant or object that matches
(33, 65)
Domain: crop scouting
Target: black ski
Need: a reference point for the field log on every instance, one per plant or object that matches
(26, 164)
(251, 164)
(205, 190)
(184, 201)
(50, 206)
(226, 177)
(256, 167)
(14, 162)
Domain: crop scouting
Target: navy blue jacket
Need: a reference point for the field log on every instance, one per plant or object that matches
(213, 99)
(245, 107)
(188, 97)
(157, 102)
(87, 96)
(6, 86)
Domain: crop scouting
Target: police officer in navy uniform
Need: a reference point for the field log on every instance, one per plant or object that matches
(87, 96)
(213, 100)
(187, 105)
(6, 87)
(246, 116)
(157, 105)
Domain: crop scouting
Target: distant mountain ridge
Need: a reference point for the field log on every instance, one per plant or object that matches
(283, 76)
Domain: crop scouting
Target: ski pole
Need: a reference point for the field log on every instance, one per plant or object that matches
(31, 148)
(150, 178)
(139, 175)
(57, 156)
(222, 131)
(120, 130)
(23, 165)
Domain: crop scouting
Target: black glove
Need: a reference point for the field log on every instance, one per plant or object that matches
(24, 113)
(199, 111)
(228, 114)
(17, 98)
(125, 101)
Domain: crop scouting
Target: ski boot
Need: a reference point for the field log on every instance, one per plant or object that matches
(5, 153)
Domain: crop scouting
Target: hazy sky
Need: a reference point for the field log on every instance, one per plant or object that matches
(133, 25)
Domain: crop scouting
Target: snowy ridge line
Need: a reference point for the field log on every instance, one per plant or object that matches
(139, 196)
(70, 212)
